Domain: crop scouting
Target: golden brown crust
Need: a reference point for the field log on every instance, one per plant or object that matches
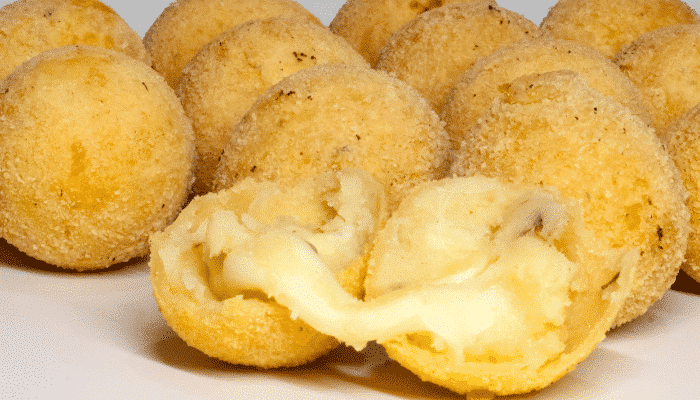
(434, 49)
(96, 153)
(608, 26)
(185, 26)
(32, 26)
(331, 117)
(225, 78)
(487, 79)
(665, 66)
(552, 129)
(681, 140)
(368, 24)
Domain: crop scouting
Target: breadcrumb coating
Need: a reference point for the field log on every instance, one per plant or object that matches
(434, 49)
(330, 117)
(225, 78)
(96, 153)
(185, 26)
(608, 26)
(477, 88)
(29, 27)
(553, 129)
(665, 66)
(681, 140)
(368, 24)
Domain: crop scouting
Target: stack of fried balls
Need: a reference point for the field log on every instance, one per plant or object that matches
(484, 197)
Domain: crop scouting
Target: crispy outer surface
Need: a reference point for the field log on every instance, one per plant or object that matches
(489, 78)
(681, 140)
(96, 153)
(665, 66)
(368, 24)
(553, 129)
(608, 26)
(241, 329)
(434, 49)
(330, 117)
(29, 27)
(225, 78)
(185, 26)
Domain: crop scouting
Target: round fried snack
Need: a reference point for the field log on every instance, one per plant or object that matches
(368, 24)
(495, 288)
(185, 26)
(489, 78)
(553, 129)
(434, 49)
(681, 140)
(537, 291)
(96, 153)
(665, 66)
(608, 26)
(30, 27)
(330, 117)
(225, 78)
(194, 263)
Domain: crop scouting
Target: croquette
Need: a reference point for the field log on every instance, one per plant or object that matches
(434, 49)
(30, 27)
(477, 88)
(96, 153)
(608, 26)
(681, 140)
(553, 129)
(665, 66)
(185, 26)
(196, 263)
(225, 78)
(330, 117)
(368, 24)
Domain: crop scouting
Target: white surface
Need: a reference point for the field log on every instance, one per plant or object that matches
(100, 335)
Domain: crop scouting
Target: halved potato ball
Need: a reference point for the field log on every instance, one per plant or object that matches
(185, 26)
(608, 26)
(368, 24)
(331, 117)
(225, 78)
(665, 66)
(30, 27)
(434, 49)
(477, 88)
(96, 153)
(509, 282)
(201, 263)
(553, 129)
(682, 142)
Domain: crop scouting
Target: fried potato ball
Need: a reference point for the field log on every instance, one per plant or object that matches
(29, 27)
(553, 129)
(499, 286)
(197, 262)
(96, 153)
(519, 297)
(225, 78)
(434, 49)
(681, 140)
(665, 66)
(330, 117)
(368, 24)
(608, 26)
(185, 26)
(477, 88)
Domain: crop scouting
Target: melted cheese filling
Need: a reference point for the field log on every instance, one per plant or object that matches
(506, 301)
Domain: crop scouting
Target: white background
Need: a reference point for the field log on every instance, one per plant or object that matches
(99, 335)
